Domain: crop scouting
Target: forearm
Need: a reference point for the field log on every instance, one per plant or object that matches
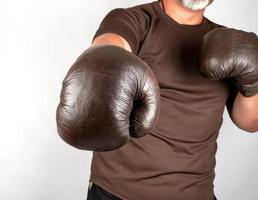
(233, 54)
(245, 112)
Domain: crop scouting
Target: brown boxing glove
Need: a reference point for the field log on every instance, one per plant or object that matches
(108, 96)
(231, 53)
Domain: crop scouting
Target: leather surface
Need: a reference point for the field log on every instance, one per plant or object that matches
(231, 53)
(108, 96)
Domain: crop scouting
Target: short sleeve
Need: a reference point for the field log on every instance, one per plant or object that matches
(129, 23)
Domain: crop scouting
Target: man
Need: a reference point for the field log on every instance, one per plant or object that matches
(176, 159)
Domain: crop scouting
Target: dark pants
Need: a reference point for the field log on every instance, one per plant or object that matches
(97, 193)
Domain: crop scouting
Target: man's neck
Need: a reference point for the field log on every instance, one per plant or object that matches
(181, 14)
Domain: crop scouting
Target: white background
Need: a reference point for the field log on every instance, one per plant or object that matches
(39, 40)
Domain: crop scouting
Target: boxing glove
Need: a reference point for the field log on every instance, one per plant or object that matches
(231, 53)
(107, 96)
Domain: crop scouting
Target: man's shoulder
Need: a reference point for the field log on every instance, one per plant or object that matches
(144, 10)
(139, 11)
(213, 24)
(144, 6)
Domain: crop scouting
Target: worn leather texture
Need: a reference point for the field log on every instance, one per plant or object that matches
(231, 53)
(108, 95)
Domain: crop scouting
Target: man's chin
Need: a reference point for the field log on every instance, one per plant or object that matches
(195, 5)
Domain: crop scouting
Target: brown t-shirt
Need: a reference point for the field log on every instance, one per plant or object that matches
(176, 160)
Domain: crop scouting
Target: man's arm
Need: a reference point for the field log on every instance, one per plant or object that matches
(244, 112)
(106, 80)
(233, 54)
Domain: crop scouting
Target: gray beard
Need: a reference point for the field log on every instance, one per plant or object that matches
(195, 4)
